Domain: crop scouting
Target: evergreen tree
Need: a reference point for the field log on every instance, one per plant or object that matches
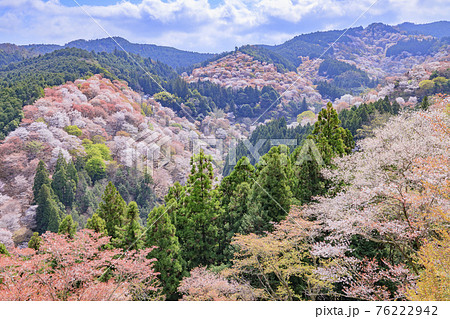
(60, 162)
(307, 180)
(97, 224)
(145, 196)
(112, 209)
(35, 241)
(59, 183)
(304, 106)
(68, 226)
(64, 181)
(197, 220)
(174, 203)
(270, 197)
(129, 236)
(242, 172)
(330, 138)
(41, 178)
(72, 173)
(161, 233)
(234, 191)
(47, 212)
(63, 186)
(425, 104)
(54, 221)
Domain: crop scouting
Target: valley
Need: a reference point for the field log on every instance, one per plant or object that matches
(272, 172)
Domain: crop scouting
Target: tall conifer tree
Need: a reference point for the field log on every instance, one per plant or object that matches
(48, 215)
(112, 209)
(271, 195)
(129, 236)
(197, 219)
(161, 233)
(41, 178)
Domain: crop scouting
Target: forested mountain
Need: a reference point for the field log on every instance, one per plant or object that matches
(356, 63)
(438, 29)
(312, 45)
(167, 55)
(23, 82)
(263, 173)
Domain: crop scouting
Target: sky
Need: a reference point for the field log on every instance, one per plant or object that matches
(201, 25)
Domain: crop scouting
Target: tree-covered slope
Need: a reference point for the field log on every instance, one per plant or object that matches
(437, 29)
(168, 55)
(23, 82)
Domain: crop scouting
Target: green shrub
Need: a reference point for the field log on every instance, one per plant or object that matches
(73, 130)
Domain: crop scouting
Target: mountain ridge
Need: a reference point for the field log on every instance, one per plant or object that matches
(312, 44)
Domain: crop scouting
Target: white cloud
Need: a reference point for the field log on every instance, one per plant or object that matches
(196, 25)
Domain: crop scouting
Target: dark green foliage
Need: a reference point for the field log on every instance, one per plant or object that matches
(270, 196)
(161, 233)
(63, 186)
(234, 191)
(48, 214)
(41, 178)
(307, 180)
(330, 138)
(135, 186)
(3, 250)
(145, 197)
(303, 107)
(68, 227)
(112, 210)
(345, 78)
(35, 241)
(312, 45)
(263, 134)
(414, 46)
(354, 118)
(85, 197)
(129, 236)
(333, 68)
(224, 98)
(72, 173)
(424, 104)
(264, 55)
(60, 162)
(174, 204)
(329, 90)
(196, 213)
(354, 81)
(10, 111)
(10, 53)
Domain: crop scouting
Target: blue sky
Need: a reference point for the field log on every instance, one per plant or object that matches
(200, 25)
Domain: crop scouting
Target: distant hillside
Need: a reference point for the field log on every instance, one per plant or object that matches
(10, 53)
(264, 55)
(312, 45)
(23, 82)
(438, 29)
(170, 56)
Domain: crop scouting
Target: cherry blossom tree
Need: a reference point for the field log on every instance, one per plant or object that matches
(77, 269)
(204, 285)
